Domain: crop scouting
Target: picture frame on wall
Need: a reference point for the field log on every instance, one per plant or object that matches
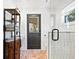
(69, 14)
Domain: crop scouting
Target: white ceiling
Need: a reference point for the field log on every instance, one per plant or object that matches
(54, 4)
(59, 4)
(31, 3)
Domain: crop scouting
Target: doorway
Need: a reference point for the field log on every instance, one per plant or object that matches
(33, 31)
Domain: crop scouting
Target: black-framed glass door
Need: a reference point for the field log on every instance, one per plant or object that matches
(33, 31)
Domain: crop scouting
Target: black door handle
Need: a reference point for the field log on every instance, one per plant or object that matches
(53, 35)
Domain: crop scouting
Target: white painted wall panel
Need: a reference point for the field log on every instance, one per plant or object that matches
(9, 4)
(64, 48)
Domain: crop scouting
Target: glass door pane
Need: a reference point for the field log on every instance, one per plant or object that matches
(33, 24)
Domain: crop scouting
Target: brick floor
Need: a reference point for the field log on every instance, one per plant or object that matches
(33, 54)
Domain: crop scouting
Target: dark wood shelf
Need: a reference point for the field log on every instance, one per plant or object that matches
(13, 11)
(9, 20)
(12, 47)
(9, 30)
(12, 21)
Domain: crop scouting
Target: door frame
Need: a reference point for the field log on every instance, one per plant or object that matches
(39, 27)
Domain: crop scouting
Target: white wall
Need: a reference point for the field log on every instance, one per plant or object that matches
(8, 4)
(37, 7)
(44, 26)
(31, 7)
(34, 7)
(59, 21)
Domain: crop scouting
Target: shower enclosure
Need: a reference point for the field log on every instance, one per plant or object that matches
(62, 36)
(62, 46)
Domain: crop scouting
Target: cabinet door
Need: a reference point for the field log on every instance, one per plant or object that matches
(6, 50)
(17, 54)
(11, 50)
(17, 49)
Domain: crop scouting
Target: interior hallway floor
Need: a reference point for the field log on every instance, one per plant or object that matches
(33, 54)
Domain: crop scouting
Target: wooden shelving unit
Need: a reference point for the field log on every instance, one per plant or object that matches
(12, 39)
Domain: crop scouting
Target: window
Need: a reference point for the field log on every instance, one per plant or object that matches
(70, 16)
